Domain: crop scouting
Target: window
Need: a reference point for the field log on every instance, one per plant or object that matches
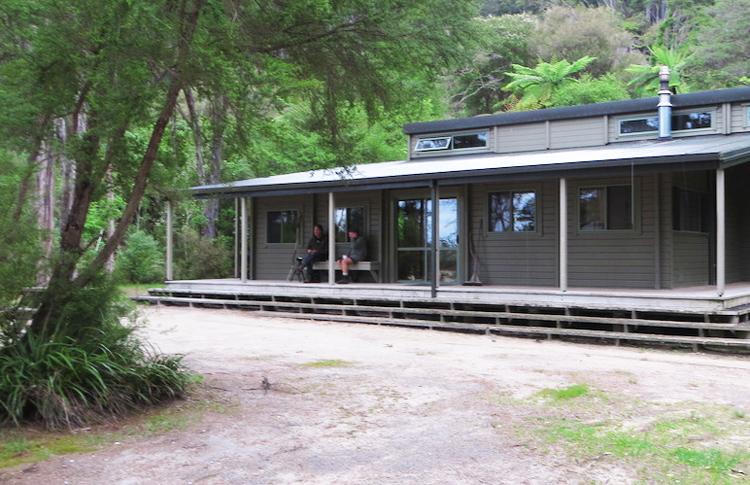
(433, 144)
(349, 218)
(680, 122)
(282, 227)
(606, 208)
(472, 140)
(464, 141)
(512, 211)
(691, 210)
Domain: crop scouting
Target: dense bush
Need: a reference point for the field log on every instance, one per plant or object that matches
(141, 260)
(200, 258)
(20, 248)
(590, 90)
(95, 369)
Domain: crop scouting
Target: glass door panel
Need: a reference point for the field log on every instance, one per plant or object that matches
(414, 240)
(448, 237)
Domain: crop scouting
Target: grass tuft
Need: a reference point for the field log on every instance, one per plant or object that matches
(328, 363)
(711, 459)
(565, 393)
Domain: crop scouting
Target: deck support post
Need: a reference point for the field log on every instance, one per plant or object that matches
(435, 279)
(563, 234)
(243, 239)
(236, 237)
(331, 238)
(169, 267)
(720, 233)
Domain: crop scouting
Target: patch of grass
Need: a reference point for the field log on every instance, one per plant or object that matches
(685, 428)
(28, 445)
(711, 459)
(564, 393)
(662, 452)
(163, 423)
(738, 414)
(18, 450)
(328, 363)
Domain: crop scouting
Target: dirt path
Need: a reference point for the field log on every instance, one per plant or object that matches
(365, 404)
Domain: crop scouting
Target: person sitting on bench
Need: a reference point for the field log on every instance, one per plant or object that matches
(357, 251)
(317, 250)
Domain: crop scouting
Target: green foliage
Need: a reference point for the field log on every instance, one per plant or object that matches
(199, 258)
(538, 84)
(101, 371)
(590, 90)
(565, 32)
(20, 250)
(141, 260)
(722, 51)
(646, 78)
(504, 42)
(506, 7)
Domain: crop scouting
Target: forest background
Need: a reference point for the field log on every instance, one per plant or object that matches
(109, 108)
(286, 124)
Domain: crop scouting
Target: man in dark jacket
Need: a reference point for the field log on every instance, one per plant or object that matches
(317, 250)
(357, 251)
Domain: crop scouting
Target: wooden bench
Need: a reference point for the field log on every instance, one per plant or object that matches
(372, 266)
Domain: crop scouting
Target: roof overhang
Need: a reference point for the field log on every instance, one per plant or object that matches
(698, 152)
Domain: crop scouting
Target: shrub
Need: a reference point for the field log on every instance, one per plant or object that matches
(141, 261)
(199, 258)
(93, 367)
(590, 90)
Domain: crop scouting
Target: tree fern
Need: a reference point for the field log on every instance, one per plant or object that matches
(646, 78)
(537, 84)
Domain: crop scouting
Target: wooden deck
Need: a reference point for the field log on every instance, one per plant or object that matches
(701, 299)
(692, 317)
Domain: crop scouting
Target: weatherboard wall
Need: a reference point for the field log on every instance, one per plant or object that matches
(614, 258)
(517, 258)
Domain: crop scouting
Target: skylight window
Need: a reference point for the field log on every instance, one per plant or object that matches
(464, 141)
(696, 120)
(433, 144)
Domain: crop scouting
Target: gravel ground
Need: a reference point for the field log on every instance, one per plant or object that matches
(366, 404)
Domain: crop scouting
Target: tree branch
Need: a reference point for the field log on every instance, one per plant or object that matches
(149, 156)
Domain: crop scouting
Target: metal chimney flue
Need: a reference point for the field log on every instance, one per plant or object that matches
(665, 105)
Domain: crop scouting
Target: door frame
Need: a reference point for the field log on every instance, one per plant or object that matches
(444, 193)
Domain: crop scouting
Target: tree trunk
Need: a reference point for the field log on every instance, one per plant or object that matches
(88, 177)
(65, 132)
(59, 288)
(109, 265)
(45, 204)
(219, 106)
(195, 124)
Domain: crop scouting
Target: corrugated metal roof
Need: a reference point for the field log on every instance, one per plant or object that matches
(571, 112)
(719, 148)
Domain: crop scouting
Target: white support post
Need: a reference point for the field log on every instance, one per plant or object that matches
(563, 234)
(243, 239)
(169, 269)
(435, 238)
(331, 238)
(236, 237)
(720, 233)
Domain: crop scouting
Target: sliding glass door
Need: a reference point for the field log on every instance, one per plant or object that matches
(414, 239)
